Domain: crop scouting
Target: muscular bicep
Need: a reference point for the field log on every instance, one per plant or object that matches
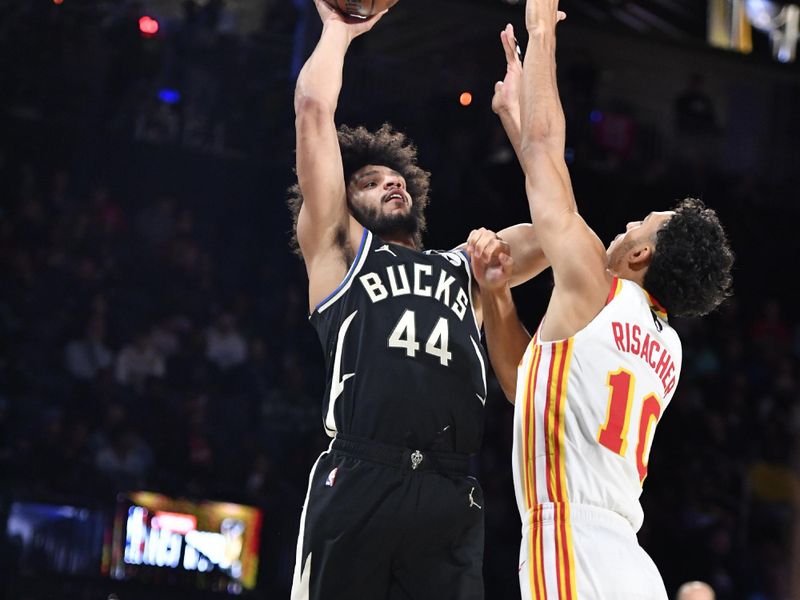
(320, 175)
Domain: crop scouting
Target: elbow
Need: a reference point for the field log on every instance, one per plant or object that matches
(311, 108)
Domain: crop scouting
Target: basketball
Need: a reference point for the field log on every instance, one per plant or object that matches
(362, 8)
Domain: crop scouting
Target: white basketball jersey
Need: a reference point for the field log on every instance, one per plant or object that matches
(587, 407)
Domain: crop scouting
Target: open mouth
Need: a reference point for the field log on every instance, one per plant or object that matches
(394, 197)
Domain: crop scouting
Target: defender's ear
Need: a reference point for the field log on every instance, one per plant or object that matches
(640, 256)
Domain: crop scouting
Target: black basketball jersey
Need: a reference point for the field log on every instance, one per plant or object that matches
(404, 360)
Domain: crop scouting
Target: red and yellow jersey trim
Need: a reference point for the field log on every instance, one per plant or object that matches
(616, 288)
(554, 391)
(529, 426)
(536, 544)
(655, 306)
(536, 554)
(557, 474)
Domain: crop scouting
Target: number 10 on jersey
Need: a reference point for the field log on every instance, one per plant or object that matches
(404, 335)
(613, 434)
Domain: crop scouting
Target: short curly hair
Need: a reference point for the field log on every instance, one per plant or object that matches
(385, 147)
(690, 273)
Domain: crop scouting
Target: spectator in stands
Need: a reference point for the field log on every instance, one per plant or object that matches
(87, 356)
(695, 590)
(166, 335)
(139, 360)
(226, 347)
(125, 459)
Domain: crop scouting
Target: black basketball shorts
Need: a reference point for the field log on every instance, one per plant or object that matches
(386, 523)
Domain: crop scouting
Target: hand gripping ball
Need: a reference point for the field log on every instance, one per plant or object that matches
(362, 8)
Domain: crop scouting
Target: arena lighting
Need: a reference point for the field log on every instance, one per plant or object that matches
(59, 2)
(781, 23)
(148, 26)
(762, 13)
(169, 96)
(465, 99)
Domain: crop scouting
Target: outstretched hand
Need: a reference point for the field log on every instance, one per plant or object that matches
(355, 25)
(491, 259)
(543, 15)
(506, 92)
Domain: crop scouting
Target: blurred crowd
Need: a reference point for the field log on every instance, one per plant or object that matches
(129, 363)
(156, 338)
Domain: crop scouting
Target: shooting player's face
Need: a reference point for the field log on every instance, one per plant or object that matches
(378, 198)
(379, 189)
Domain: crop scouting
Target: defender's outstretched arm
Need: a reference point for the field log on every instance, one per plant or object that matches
(576, 254)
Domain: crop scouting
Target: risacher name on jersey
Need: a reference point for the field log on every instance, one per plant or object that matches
(631, 339)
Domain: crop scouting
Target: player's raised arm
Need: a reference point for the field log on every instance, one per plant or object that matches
(573, 250)
(529, 260)
(506, 98)
(319, 161)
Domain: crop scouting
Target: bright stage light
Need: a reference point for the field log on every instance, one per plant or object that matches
(781, 22)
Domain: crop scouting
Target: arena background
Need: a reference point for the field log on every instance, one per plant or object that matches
(153, 320)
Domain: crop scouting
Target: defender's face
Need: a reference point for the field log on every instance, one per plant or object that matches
(635, 233)
(379, 192)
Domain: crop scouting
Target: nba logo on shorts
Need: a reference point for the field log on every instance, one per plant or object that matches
(331, 477)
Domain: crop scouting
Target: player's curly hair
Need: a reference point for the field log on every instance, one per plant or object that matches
(385, 147)
(690, 273)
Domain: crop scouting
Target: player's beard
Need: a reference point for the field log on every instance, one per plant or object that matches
(382, 225)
